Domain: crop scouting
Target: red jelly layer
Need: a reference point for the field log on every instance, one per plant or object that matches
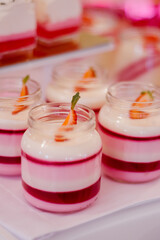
(10, 160)
(58, 163)
(124, 137)
(130, 166)
(64, 197)
(7, 131)
(17, 44)
(46, 34)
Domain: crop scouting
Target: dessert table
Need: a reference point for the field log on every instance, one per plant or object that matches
(115, 201)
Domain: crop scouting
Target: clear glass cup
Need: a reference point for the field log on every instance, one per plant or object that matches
(12, 126)
(66, 81)
(131, 150)
(54, 25)
(17, 28)
(61, 176)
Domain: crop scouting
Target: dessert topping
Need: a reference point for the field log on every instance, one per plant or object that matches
(144, 100)
(70, 120)
(23, 94)
(151, 41)
(88, 78)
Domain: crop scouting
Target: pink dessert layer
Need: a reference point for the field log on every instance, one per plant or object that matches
(76, 182)
(50, 31)
(62, 172)
(139, 68)
(51, 207)
(130, 155)
(17, 41)
(10, 170)
(130, 177)
(10, 159)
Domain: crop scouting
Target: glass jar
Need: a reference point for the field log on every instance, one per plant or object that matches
(12, 126)
(17, 37)
(66, 79)
(136, 55)
(131, 150)
(61, 176)
(54, 25)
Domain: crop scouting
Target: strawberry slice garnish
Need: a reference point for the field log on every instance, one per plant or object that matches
(151, 41)
(88, 78)
(70, 120)
(24, 92)
(144, 100)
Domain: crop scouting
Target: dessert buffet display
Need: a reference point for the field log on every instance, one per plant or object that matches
(100, 115)
(17, 96)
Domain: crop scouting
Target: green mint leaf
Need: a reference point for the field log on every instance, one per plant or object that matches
(74, 101)
(25, 79)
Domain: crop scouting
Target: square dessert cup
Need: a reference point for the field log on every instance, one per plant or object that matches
(17, 28)
(70, 77)
(61, 176)
(131, 150)
(12, 126)
(56, 26)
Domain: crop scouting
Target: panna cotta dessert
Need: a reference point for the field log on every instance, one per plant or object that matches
(17, 96)
(61, 157)
(57, 20)
(136, 54)
(70, 77)
(17, 26)
(129, 124)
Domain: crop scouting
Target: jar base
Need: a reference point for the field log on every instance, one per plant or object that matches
(57, 208)
(130, 177)
(10, 169)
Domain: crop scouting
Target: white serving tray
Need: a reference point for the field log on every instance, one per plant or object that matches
(28, 223)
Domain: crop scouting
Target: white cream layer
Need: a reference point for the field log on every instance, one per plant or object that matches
(55, 11)
(91, 98)
(42, 147)
(18, 121)
(147, 127)
(17, 17)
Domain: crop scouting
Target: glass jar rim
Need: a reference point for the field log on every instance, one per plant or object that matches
(110, 96)
(19, 79)
(78, 68)
(44, 108)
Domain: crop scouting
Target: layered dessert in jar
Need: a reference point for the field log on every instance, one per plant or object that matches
(136, 55)
(57, 20)
(17, 27)
(17, 96)
(61, 157)
(87, 78)
(129, 124)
